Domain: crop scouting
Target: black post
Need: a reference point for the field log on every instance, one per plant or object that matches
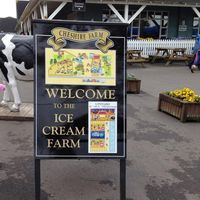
(123, 179)
(37, 179)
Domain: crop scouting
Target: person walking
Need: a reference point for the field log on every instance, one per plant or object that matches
(195, 63)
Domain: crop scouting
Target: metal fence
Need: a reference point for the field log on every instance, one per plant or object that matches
(149, 46)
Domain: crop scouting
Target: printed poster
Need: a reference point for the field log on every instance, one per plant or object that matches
(80, 67)
(102, 127)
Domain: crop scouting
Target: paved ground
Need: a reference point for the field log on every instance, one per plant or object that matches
(163, 153)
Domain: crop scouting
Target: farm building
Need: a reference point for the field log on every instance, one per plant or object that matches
(158, 19)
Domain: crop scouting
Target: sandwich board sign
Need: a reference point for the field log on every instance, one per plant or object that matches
(80, 95)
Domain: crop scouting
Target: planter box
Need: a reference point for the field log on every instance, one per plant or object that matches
(133, 86)
(185, 111)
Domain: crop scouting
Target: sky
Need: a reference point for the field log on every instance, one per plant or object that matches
(7, 8)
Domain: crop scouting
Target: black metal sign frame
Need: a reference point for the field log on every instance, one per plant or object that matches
(102, 39)
(98, 100)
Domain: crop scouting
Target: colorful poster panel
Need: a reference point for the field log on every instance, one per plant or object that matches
(102, 127)
(80, 67)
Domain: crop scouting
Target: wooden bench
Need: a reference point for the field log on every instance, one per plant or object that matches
(134, 56)
(170, 55)
(161, 54)
(178, 54)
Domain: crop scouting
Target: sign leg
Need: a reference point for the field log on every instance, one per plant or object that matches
(37, 179)
(123, 179)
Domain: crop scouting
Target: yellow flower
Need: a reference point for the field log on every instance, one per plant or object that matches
(186, 94)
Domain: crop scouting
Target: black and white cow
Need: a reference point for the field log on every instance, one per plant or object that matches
(16, 62)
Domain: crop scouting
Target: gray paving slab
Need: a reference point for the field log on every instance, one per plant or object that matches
(163, 161)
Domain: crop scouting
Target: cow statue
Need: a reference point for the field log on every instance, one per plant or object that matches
(16, 62)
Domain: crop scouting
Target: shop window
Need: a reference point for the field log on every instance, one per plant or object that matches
(143, 15)
(149, 24)
(109, 16)
(164, 31)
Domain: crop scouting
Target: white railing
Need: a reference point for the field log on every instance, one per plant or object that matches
(149, 46)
